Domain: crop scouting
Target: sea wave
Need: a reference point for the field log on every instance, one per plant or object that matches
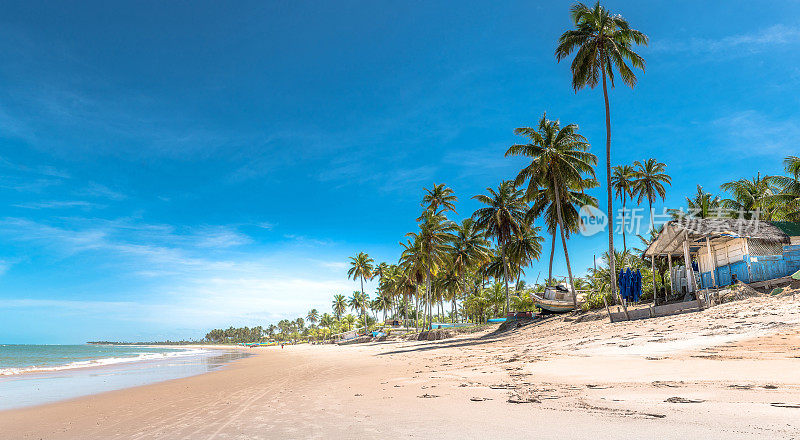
(138, 357)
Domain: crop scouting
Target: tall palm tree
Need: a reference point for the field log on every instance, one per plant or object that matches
(312, 317)
(502, 218)
(649, 184)
(361, 267)
(439, 196)
(750, 196)
(622, 183)
(559, 158)
(602, 41)
(434, 238)
(339, 306)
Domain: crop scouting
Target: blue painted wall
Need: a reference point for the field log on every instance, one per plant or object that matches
(767, 267)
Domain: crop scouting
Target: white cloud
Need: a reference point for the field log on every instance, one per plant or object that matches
(742, 43)
(94, 189)
(335, 264)
(196, 277)
(755, 133)
(58, 204)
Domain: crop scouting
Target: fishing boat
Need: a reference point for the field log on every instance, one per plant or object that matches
(556, 299)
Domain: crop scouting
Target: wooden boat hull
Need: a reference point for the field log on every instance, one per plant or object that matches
(552, 305)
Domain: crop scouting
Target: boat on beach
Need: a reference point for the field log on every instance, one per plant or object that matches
(556, 299)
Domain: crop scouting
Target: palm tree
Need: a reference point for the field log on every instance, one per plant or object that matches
(434, 238)
(359, 302)
(348, 321)
(622, 183)
(502, 218)
(312, 317)
(789, 197)
(542, 203)
(339, 306)
(383, 302)
(559, 159)
(411, 264)
(494, 267)
(380, 271)
(326, 320)
(523, 249)
(602, 41)
(750, 196)
(703, 205)
(649, 184)
(361, 267)
(439, 196)
(470, 249)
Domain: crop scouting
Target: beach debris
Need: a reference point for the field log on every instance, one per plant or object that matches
(683, 400)
(596, 387)
(785, 405)
(770, 387)
(358, 395)
(741, 387)
(502, 386)
(661, 383)
(428, 396)
(525, 396)
(654, 415)
(479, 399)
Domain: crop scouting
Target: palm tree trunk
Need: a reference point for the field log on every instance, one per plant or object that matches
(505, 274)
(610, 213)
(464, 294)
(564, 242)
(416, 305)
(552, 252)
(405, 311)
(430, 297)
(363, 309)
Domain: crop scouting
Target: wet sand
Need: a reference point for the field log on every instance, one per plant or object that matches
(732, 371)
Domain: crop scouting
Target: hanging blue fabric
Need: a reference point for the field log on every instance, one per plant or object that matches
(638, 284)
(629, 283)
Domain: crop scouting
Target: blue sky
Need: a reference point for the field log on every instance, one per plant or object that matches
(171, 167)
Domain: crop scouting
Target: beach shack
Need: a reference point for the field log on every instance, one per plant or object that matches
(722, 251)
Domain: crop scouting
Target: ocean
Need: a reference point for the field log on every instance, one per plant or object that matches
(37, 374)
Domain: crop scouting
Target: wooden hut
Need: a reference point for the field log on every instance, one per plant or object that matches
(728, 249)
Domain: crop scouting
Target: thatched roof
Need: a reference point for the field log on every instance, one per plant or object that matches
(670, 241)
(733, 227)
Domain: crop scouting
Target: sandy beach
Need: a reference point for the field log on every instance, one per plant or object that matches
(731, 371)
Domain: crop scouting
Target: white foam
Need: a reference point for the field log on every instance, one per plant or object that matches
(102, 361)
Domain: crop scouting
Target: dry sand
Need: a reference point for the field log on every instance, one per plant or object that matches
(732, 371)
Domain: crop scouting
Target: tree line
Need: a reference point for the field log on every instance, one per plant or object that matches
(476, 264)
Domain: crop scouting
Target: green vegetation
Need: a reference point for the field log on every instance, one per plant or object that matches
(473, 264)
